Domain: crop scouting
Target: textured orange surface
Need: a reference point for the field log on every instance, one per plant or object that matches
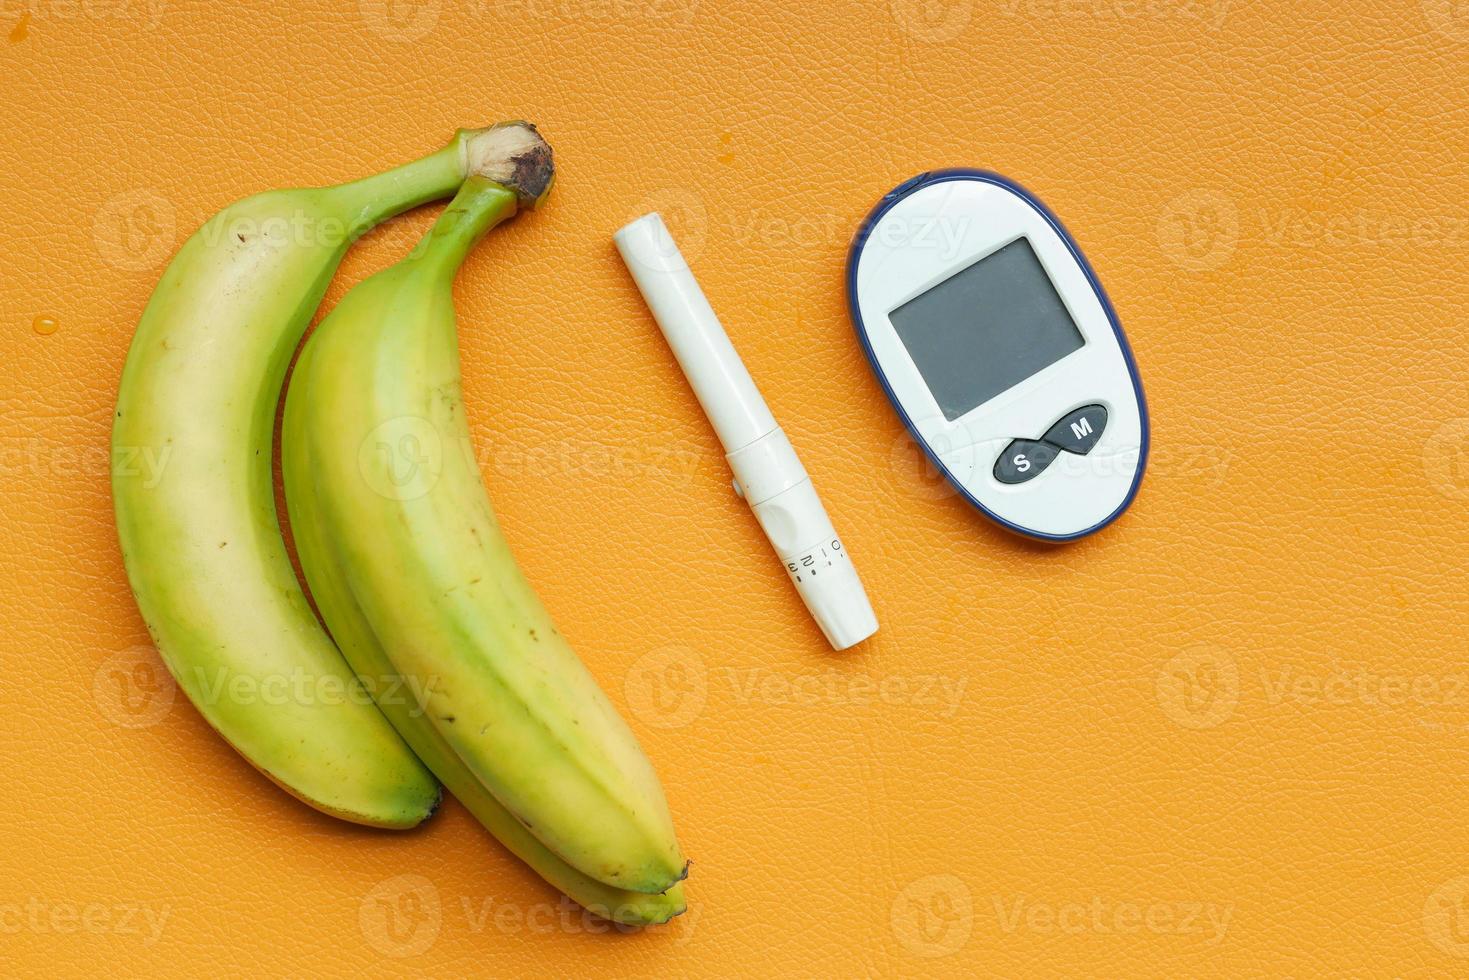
(1229, 736)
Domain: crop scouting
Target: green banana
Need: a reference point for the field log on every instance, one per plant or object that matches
(409, 564)
(355, 638)
(197, 523)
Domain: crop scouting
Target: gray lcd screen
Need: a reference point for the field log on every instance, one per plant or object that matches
(986, 328)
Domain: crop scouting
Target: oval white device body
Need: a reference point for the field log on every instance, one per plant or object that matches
(994, 340)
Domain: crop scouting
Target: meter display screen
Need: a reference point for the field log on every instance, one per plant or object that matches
(986, 328)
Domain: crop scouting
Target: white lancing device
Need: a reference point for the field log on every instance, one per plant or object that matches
(767, 472)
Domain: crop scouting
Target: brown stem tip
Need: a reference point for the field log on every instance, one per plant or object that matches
(512, 154)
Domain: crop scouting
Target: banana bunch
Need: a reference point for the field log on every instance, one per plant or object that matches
(451, 666)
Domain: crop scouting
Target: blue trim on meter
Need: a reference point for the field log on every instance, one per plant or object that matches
(985, 176)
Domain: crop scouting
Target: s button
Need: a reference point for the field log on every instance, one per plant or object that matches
(1024, 459)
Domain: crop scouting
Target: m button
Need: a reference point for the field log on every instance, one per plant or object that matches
(1078, 431)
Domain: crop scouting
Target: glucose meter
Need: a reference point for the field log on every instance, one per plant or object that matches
(993, 339)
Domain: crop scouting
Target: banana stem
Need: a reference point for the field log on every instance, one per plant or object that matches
(379, 197)
(508, 158)
(480, 205)
(509, 155)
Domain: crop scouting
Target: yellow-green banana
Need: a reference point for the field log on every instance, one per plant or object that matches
(355, 638)
(410, 565)
(197, 524)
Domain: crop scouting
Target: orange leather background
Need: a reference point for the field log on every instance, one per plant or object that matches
(1228, 736)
